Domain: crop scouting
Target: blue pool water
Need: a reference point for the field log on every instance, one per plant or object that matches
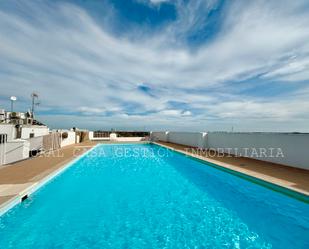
(144, 196)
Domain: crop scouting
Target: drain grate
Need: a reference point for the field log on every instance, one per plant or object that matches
(25, 197)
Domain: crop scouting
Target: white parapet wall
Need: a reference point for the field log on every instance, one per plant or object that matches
(90, 135)
(194, 139)
(71, 138)
(159, 136)
(8, 129)
(129, 139)
(283, 148)
(291, 149)
(16, 150)
(36, 143)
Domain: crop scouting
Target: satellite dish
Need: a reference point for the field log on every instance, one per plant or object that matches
(13, 98)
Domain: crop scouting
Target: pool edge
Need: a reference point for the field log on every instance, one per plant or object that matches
(6, 206)
(262, 182)
(12, 202)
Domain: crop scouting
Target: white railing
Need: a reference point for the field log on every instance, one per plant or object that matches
(99, 135)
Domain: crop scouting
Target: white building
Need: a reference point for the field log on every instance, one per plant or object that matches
(16, 141)
(30, 131)
(16, 130)
(23, 131)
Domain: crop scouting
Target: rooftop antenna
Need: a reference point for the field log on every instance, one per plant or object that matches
(34, 97)
(13, 99)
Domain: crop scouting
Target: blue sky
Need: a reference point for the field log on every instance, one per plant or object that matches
(158, 64)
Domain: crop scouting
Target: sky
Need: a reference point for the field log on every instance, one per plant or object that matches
(185, 65)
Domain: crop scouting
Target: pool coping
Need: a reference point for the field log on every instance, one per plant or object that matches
(286, 190)
(12, 202)
(277, 187)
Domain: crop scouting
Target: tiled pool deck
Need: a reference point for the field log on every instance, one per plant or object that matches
(16, 178)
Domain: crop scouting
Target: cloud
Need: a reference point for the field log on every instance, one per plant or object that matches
(158, 1)
(78, 66)
(90, 110)
(153, 2)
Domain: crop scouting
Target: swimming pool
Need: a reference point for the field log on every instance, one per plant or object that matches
(145, 196)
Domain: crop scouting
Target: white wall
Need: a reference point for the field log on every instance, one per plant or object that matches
(16, 150)
(283, 148)
(8, 129)
(90, 135)
(294, 147)
(194, 139)
(36, 129)
(2, 154)
(36, 143)
(69, 140)
(129, 139)
(159, 136)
